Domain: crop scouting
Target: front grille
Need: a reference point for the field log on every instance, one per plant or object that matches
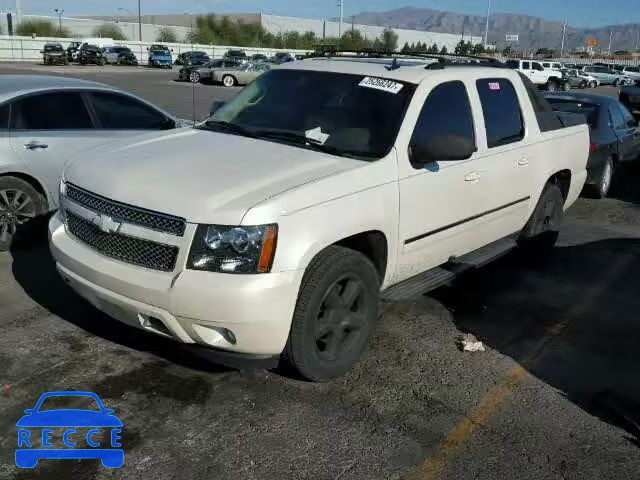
(121, 212)
(122, 247)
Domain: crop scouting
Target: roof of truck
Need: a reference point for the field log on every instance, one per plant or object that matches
(411, 70)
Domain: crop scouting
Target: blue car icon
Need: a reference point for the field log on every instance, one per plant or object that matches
(29, 442)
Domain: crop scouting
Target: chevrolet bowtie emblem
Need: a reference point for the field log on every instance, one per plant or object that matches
(106, 224)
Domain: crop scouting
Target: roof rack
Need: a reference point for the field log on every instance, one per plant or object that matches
(441, 60)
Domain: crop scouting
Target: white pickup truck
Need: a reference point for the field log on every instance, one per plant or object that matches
(274, 228)
(547, 78)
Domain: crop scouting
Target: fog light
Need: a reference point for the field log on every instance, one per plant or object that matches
(229, 336)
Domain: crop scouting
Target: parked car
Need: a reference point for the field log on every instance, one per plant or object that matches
(578, 79)
(73, 50)
(192, 58)
(607, 76)
(239, 55)
(259, 57)
(615, 135)
(332, 184)
(53, 54)
(633, 72)
(160, 57)
(120, 56)
(283, 57)
(242, 75)
(203, 73)
(546, 79)
(630, 98)
(47, 121)
(91, 54)
(557, 66)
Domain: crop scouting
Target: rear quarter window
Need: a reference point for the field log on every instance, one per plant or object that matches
(501, 110)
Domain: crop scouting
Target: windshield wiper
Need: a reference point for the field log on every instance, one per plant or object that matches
(228, 126)
(297, 138)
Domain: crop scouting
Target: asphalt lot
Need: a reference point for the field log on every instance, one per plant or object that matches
(555, 396)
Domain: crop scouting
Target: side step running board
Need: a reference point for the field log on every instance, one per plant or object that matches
(439, 276)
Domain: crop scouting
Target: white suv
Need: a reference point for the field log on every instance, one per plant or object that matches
(275, 227)
(547, 79)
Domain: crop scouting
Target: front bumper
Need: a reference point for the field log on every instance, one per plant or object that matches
(190, 306)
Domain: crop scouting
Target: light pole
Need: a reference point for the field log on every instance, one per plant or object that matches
(140, 20)
(341, 5)
(486, 30)
(59, 12)
(564, 30)
(133, 27)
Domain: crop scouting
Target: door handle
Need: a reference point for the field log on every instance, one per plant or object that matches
(523, 161)
(473, 177)
(35, 146)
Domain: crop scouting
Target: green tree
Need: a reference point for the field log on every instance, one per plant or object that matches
(433, 49)
(389, 40)
(354, 40)
(406, 48)
(544, 51)
(444, 50)
(41, 28)
(478, 49)
(167, 35)
(107, 30)
(506, 51)
(462, 48)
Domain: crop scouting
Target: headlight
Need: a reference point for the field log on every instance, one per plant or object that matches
(228, 249)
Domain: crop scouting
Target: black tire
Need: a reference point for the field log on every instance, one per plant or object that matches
(583, 85)
(229, 81)
(552, 86)
(593, 84)
(324, 341)
(541, 232)
(601, 189)
(21, 206)
(194, 77)
(616, 82)
(566, 87)
(102, 62)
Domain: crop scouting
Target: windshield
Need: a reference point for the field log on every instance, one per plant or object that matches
(66, 402)
(589, 110)
(633, 69)
(53, 48)
(348, 115)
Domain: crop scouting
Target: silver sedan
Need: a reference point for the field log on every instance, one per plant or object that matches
(48, 120)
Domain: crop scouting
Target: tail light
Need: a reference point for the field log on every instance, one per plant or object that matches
(594, 146)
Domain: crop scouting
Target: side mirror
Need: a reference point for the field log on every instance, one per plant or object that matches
(441, 148)
(216, 105)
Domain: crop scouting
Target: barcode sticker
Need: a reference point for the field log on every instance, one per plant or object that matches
(381, 84)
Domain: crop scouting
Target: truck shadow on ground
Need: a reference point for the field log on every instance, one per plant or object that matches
(625, 183)
(572, 320)
(34, 270)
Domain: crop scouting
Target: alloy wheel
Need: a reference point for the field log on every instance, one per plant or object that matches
(16, 208)
(341, 319)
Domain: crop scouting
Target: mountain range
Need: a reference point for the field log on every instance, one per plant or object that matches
(534, 32)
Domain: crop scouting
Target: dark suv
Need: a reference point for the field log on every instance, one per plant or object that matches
(91, 54)
(192, 58)
(53, 53)
(238, 55)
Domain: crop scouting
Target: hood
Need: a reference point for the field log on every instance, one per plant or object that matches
(203, 176)
(69, 418)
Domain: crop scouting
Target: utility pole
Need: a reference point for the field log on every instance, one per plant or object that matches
(18, 10)
(637, 41)
(140, 20)
(59, 12)
(610, 41)
(564, 30)
(341, 5)
(486, 30)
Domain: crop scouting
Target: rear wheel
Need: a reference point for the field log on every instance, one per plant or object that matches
(601, 189)
(229, 81)
(541, 232)
(593, 84)
(566, 86)
(194, 77)
(552, 86)
(583, 84)
(336, 313)
(20, 204)
(616, 82)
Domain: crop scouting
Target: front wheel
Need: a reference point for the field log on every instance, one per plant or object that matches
(616, 82)
(566, 86)
(593, 84)
(551, 86)
(541, 232)
(102, 62)
(582, 85)
(194, 77)
(336, 313)
(20, 204)
(229, 81)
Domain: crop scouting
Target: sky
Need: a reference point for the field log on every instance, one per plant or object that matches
(581, 13)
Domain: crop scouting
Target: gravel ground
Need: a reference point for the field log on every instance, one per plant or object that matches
(554, 396)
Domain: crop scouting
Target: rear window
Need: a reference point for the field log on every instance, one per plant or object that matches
(589, 110)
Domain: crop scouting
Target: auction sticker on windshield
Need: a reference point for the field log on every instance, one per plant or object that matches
(381, 84)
